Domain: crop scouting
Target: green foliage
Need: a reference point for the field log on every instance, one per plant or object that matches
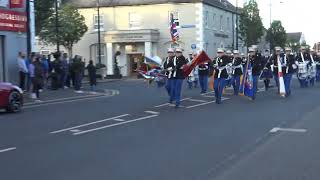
(250, 27)
(43, 10)
(276, 35)
(71, 28)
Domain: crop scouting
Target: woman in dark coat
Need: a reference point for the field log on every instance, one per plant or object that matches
(92, 75)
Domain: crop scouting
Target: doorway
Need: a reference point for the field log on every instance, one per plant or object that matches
(134, 61)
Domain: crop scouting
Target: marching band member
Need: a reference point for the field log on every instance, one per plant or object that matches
(203, 72)
(179, 61)
(237, 72)
(313, 75)
(221, 74)
(274, 65)
(168, 68)
(303, 61)
(193, 76)
(230, 58)
(255, 60)
(266, 74)
(317, 59)
(289, 70)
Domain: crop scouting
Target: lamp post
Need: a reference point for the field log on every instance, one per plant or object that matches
(237, 24)
(28, 27)
(99, 33)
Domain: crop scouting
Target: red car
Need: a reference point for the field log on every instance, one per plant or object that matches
(11, 97)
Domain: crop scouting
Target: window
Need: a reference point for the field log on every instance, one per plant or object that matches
(221, 23)
(213, 21)
(206, 19)
(175, 15)
(96, 22)
(134, 20)
(228, 23)
(94, 52)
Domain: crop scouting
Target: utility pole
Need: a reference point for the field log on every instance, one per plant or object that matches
(57, 25)
(237, 26)
(28, 27)
(99, 33)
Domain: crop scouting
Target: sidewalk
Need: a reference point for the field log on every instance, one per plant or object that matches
(67, 94)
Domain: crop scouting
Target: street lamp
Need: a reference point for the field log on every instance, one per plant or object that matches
(99, 33)
(237, 24)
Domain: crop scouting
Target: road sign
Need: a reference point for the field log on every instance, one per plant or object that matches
(193, 46)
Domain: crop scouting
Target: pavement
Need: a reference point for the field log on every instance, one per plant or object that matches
(133, 133)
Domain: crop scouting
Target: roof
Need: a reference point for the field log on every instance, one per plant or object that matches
(295, 36)
(222, 4)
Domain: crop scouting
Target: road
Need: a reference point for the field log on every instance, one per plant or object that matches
(135, 134)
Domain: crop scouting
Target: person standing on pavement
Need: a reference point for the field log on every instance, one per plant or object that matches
(77, 69)
(45, 67)
(92, 76)
(36, 75)
(23, 70)
(57, 68)
(65, 70)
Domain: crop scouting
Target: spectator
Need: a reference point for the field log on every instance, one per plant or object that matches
(23, 70)
(57, 68)
(92, 75)
(65, 70)
(77, 69)
(36, 75)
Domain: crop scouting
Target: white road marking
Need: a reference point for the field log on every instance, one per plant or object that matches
(167, 104)
(152, 112)
(8, 149)
(211, 92)
(198, 100)
(74, 130)
(202, 104)
(276, 129)
(121, 120)
(209, 96)
(64, 99)
(113, 125)
(87, 124)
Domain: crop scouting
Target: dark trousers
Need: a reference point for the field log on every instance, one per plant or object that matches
(77, 79)
(203, 79)
(236, 84)
(175, 90)
(287, 83)
(219, 85)
(255, 86)
(22, 77)
(36, 85)
(169, 86)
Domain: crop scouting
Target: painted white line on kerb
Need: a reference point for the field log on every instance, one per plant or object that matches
(113, 125)
(63, 102)
(152, 112)
(198, 100)
(8, 149)
(211, 92)
(167, 104)
(63, 99)
(83, 125)
(276, 129)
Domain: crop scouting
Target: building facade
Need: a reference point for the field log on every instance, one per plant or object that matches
(141, 28)
(13, 38)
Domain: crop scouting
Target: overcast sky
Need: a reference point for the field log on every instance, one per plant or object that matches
(295, 15)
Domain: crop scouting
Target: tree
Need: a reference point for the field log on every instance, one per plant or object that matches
(71, 28)
(43, 10)
(276, 35)
(250, 27)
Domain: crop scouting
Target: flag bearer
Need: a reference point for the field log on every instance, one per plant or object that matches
(168, 68)
(289, 70)
(255, 61)
(203, 72)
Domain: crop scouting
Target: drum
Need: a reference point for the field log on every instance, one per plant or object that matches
(302, 68)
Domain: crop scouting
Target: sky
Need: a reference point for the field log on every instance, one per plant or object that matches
(295, 15)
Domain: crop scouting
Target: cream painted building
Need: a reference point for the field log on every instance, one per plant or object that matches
(141, 27)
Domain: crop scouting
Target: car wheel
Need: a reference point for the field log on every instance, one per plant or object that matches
(15, 102)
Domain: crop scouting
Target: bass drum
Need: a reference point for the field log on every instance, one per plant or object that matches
(313, 70)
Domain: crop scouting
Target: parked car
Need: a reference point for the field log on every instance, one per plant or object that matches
(11, 97)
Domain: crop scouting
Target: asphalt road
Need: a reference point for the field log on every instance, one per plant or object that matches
(136, 135)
